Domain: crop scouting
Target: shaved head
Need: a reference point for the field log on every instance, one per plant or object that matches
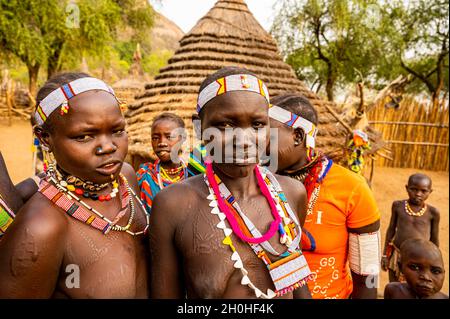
(417, 178)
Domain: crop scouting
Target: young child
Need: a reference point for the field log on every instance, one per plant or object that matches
(411, 218)
(227, 234)
(82, 234)
(422, 265)
(167, 137)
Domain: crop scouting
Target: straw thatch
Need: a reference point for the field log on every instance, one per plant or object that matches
(228, 35)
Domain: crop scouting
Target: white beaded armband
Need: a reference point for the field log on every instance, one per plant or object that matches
(364, 253)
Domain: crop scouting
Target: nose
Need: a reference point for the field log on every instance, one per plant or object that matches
(425, 275)
(106, 146)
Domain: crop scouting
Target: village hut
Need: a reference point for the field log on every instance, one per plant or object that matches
(228, 35)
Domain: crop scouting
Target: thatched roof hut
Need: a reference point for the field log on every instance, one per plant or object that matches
(228, 35)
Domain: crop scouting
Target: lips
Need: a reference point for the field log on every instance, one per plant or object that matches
(109, 167)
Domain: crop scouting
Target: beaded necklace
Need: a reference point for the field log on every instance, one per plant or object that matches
(83, 188)
(313, 178)
(288, 273)
(164, 177)
(6, 216)
(63, 198)
(411, 212)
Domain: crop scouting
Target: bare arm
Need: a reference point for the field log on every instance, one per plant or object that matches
(364, 287)
(435, 226)
(390, 233)
(31, 253)
(27, 188)
(7, 190)
(166, 276)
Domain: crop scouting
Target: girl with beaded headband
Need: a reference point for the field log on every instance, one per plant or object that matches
(342, 223)
(168, 135)
(236, 228)
(86, 216)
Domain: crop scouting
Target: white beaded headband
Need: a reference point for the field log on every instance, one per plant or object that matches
(64, 93)
(294, 121)
(235, 82)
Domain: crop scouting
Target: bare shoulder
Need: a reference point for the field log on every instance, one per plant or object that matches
(397, 290)
(292, 187)
(178, 197)
(128, 171)
(434, 211)
(40, 219)
(397, 204)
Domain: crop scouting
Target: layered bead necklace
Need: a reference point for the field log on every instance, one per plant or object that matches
(83, 188)
(312, 176)
(166, 176)
(65, 198)
(411, 212)
(287, 273)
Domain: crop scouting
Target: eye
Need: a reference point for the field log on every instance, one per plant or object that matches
(258, 124)
(83, 138)
(155, 138)
(119, 132)
(414, 267)
(436, 271)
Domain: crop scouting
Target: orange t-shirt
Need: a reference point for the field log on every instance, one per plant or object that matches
(345, 201)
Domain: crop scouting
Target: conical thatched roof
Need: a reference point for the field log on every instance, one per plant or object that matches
(228, 35)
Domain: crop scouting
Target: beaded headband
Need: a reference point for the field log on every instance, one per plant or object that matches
(63, 94)
(294, 121)
(235, 82)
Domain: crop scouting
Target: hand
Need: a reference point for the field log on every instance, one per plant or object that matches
(384, 263)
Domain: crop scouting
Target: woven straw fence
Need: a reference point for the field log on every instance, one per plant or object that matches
(416, 133)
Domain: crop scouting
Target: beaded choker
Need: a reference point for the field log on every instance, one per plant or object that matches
(411, 212)
(287, 273)
(83, 188)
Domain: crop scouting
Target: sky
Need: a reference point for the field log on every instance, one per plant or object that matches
(186, 13)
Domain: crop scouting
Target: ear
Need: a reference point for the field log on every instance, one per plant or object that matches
(299, 136)
(43, 136)
(196, 123)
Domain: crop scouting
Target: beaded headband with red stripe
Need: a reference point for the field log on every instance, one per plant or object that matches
(235, 82)
(64, 93)
(294, 121)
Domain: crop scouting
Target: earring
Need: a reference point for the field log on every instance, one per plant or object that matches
(99, 150)
(296, 143)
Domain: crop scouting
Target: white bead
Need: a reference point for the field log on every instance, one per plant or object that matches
(258, 293)
(245, 280)
(222, 216)
(271, 294)
(63, 183)
(227, 232)
(238, 264)
(215, 211)
(211, 197)
(235, 256)
(283, 239)
(113, 195)
(221, 225)
(213, 203)
(286, 220)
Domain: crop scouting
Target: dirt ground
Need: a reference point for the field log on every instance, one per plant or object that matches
(388, 184)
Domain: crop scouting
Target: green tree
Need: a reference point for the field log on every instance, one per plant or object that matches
(328, 42)
(46, 33)
(416, 36)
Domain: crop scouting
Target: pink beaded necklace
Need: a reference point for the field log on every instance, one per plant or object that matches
(231, 219)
